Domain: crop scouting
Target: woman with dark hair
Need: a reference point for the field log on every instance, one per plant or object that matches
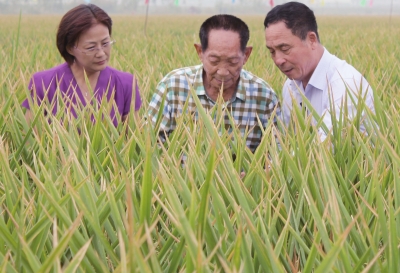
(84, 41)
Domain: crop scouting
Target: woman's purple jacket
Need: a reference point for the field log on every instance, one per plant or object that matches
(44, 85)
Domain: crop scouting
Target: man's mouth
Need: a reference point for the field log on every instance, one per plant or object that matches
(287, 70)
(221, 80)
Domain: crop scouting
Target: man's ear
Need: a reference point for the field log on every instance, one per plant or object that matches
(247, 52)
(312, 37)
(198, 50)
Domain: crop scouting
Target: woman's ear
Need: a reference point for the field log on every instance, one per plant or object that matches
(70, 50)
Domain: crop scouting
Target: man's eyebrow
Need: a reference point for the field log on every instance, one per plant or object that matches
(278, 46)
(223, 58)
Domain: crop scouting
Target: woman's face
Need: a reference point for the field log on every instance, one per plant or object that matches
(92, 49)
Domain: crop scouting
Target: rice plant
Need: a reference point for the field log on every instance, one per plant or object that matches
(78, 196)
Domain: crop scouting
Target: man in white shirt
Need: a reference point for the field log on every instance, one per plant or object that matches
(291, 35)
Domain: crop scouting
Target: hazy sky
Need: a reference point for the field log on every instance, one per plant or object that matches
(362, 7)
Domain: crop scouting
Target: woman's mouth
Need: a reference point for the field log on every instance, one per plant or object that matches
(101, 62)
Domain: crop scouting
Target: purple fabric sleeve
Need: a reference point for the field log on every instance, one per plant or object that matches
(25, 103)
(138, 101)
(41, 82)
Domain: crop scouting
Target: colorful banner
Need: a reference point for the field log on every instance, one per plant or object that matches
(146, 2)
(363, 3)
(371, 2)
(176, 2)
(271, 3)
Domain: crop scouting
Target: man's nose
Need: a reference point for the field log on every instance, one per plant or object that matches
(279, 59)
(222, 71)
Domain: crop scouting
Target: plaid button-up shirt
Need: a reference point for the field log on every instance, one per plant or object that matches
(254, 99)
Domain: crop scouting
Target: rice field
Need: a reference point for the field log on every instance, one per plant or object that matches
(77, 196)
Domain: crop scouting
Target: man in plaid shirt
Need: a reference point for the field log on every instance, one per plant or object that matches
(223, 52)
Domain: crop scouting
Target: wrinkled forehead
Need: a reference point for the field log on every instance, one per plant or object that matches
(278, 33)
(223, 39)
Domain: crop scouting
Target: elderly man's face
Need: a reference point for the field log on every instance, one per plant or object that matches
(222, 60)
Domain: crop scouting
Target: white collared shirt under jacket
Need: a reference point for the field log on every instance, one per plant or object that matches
(332, 79)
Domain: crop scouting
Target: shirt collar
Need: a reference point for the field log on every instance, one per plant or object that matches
(241, 89)
(198, 84)
(67, 75)
(318, 79)
(102, 81)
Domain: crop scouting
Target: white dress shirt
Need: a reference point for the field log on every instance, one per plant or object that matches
(330, 80)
